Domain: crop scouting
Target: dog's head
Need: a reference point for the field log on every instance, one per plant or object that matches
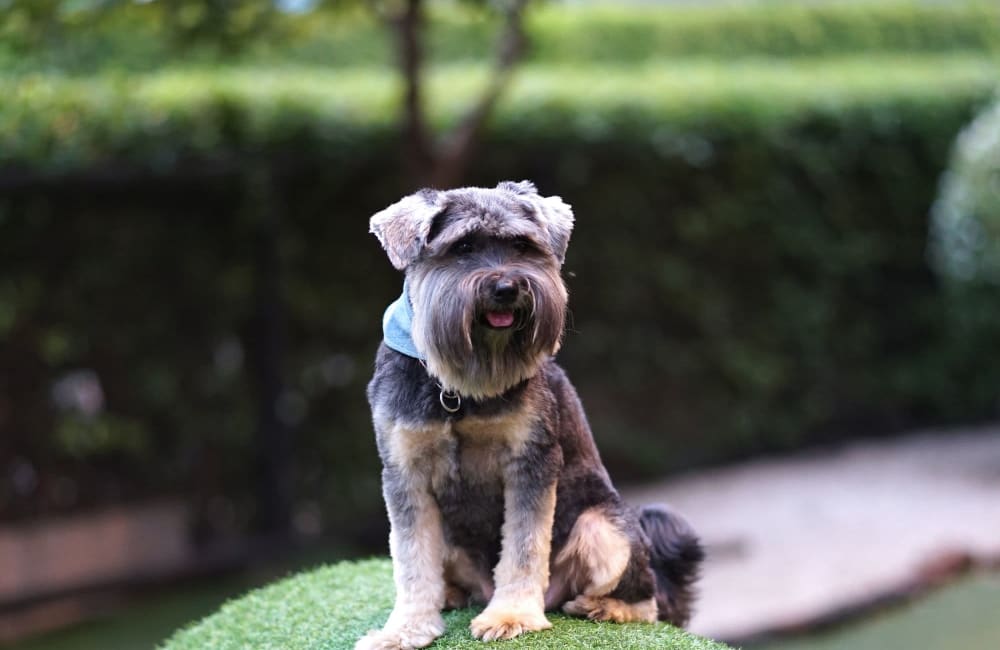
(483, 270)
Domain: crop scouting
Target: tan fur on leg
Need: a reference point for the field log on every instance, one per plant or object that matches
(604, 608)
(595, 555)
(591, 564)
(417, 547)
(522, 574)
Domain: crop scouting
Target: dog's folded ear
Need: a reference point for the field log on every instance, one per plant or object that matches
(553, 214)
(557, 218)
(402, 228)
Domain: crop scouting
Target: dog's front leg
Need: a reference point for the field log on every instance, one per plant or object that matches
(416, 543)
(522, 574)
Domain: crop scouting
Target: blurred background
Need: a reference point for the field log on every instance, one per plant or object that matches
(785, 284)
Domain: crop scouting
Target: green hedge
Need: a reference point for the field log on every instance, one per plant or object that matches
(748, 270)
(52, 122)
(616, 33)
(137, 36)
(331, 607)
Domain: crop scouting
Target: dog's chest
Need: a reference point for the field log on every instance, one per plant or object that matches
(472, 452)
(467, 450)
(468, 484)
(464, 462)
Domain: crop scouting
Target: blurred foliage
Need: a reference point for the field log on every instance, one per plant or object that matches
(67, 29)
(84, 36)
(55, 123)
(748, 270)
(621, 33)
(966, 227)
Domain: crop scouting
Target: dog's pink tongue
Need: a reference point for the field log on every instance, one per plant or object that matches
(500, 318)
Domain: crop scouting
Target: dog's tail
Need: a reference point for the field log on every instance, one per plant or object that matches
(675, 556)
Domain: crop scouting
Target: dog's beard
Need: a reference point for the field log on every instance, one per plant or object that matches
(463, 352)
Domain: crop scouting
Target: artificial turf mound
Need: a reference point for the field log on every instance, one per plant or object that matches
(331, 607)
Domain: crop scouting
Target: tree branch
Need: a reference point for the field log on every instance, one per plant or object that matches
(456, 147)
(408, 24)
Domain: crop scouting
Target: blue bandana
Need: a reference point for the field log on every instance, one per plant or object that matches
(397, 324)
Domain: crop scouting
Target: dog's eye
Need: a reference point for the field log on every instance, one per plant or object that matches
(522, 245)
(463, 248)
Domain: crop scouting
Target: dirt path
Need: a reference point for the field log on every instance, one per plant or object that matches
(796, 539)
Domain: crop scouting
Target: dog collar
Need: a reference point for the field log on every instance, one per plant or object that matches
(397, 325)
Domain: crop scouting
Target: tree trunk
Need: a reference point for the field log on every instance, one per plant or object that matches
(443, 163)
(418, 151)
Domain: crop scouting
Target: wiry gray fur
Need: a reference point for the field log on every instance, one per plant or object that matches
(470, 493)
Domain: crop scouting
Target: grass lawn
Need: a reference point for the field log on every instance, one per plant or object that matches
(960, 617)
(331, 607)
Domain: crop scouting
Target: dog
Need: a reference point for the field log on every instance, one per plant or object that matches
(495, 491)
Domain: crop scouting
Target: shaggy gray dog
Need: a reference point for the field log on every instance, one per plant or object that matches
(495, 490)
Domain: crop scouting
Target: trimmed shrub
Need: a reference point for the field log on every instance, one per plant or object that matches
(621, 33)
(137, 36)
(748, 270)
(52, 123)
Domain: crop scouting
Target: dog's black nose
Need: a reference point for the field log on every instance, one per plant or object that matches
(505, 291)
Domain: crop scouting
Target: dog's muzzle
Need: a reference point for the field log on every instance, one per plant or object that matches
(504, 300)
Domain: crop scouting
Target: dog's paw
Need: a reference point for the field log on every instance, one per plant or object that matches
(611, 609)
(596, 609)
(407, 635)
(506, 623)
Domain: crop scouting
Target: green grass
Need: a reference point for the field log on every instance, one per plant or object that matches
(961, 617)
(331, 607)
